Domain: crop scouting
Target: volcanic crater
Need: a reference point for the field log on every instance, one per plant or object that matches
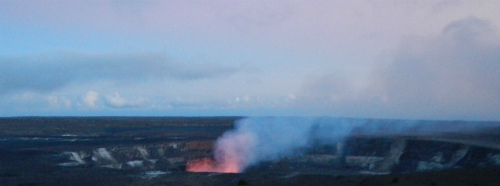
(182, 151)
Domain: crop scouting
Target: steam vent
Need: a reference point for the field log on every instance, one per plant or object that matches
(246, 151)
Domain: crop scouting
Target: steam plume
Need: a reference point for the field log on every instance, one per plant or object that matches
(268, 138)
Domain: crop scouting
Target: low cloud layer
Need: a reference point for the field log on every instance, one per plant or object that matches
(46, 73)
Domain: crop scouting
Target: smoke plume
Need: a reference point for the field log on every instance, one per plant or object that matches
(261, 139)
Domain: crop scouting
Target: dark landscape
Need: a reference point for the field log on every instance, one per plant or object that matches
(92, 151)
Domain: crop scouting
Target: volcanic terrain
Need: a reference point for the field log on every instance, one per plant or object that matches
(52, 151)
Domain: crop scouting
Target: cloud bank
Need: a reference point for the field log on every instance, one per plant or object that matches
(451, 75)
(46, 73)
(454, 73)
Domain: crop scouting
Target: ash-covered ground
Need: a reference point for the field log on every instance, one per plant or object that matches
(88, 151)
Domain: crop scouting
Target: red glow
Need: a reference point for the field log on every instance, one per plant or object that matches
(209, 165)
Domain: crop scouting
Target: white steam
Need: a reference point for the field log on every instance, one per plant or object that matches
(269, 138)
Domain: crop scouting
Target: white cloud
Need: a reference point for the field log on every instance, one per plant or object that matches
(117, 101)
(59, 101)
(91, 99)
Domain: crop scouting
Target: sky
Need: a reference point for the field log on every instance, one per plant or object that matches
(412, 59)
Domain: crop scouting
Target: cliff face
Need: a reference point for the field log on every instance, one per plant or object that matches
(362, 155)
(413, 155)
(161, 156)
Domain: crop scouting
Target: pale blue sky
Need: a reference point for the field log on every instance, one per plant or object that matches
(385, 59)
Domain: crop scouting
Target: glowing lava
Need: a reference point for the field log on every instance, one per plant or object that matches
(209, 165)
(232, 154)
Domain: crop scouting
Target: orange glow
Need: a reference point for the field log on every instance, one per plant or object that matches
(209, 165)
